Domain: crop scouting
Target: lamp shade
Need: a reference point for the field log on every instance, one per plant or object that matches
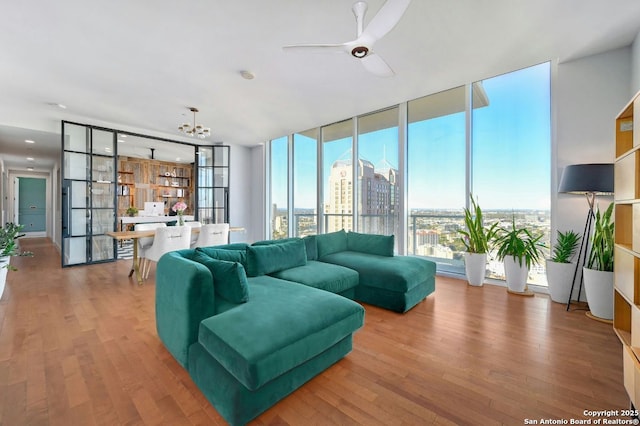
(587, 178)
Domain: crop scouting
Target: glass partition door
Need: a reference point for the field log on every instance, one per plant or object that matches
(88, 194)
(213, 184)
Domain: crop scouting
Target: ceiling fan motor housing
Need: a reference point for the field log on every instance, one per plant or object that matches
(360, 51)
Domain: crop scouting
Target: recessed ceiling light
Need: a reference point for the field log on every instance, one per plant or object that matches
(107, 149)
(30, 159)
(30, 169)
(177, 158)
(120, 140)
(29, 141)
(247, 75)
(55, 104)
(122, 135)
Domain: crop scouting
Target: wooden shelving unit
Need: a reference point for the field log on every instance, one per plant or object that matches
(152, 180)
(626, 300)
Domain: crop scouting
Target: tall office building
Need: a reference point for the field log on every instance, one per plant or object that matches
(377, 198)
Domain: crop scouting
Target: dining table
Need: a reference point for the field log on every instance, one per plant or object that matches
(134, 236)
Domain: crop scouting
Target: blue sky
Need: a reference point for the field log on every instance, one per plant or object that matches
(511, 151)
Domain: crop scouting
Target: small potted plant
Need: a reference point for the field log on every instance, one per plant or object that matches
(9, 235)
(560, 270)
(132, 211)
(476, 238)
(598, 272)
(518, 248)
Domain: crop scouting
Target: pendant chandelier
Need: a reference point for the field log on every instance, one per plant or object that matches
(194, 129)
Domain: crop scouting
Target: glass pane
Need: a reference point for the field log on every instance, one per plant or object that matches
(220, 176)
(511, 154)
(377, 188)
(79, 194)
(219, 198)
(305, 182)
(102, 221)
(221, 156)
(75, 138)
(79, 222)
(205, 176)
(279, 188)
(102, 142)
(103, 169)
(205, 156)
(101, 248)
(102, 195)
(205, 197)
(219, 216)
(76, 166)
(75, 250)
(205, 215)
(337, 175)
(436, 151)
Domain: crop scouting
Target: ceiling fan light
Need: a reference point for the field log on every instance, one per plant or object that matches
(360, 51)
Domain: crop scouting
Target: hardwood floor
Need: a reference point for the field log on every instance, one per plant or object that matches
(78, 346)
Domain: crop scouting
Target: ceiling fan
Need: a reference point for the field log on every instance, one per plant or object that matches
(361, 48)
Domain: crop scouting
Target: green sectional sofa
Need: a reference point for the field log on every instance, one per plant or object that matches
(252, 323)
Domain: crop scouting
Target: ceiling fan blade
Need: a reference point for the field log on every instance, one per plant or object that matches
(376, 65)
(386, 18)
(317, 48)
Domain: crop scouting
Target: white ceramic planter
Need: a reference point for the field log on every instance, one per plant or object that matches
(559, 276)
(475, 266)
(516, 275)
(4, 261)
(599, 288)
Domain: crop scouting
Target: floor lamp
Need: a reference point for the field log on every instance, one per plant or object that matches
(590, 180)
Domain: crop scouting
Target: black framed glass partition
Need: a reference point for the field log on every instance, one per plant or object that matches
(105, 171)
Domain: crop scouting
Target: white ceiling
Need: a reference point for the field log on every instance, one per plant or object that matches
(138, 65)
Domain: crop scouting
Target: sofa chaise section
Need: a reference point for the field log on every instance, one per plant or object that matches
(247, 356)
(393, 282)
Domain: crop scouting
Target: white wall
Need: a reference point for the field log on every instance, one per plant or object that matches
(240, 191)
(258, 194)
(635, 65)
(589, 93)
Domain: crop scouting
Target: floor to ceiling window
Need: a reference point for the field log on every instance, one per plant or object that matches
(279, 188)
(511, 154)
(490, 138)
(305, 183)
(377, 185)
(337, 172)
(436, 171)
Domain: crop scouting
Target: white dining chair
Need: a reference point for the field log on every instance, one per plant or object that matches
(169, 238)
(213, 234)
(145, 242)
(194, 235)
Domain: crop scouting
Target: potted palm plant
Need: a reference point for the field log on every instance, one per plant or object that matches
(9, 235)
(560, 269)
(476, 238)
(598, 272)
(518, 248)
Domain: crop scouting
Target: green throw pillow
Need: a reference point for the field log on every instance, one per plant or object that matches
(332, 242)
(266, 259)
(229, 278)
(312, 247)
(225, 254)
(382, 245)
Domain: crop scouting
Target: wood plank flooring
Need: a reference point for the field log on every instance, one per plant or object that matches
(78, 346)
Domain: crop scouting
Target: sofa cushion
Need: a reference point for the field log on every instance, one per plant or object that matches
(382, 245)
(331, 242)
(309, 243)
(225, 254)
(325, 276)
(284, 325)
(266, 259)
(398, 273)
(229, 278)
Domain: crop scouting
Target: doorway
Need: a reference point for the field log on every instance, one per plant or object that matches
(31, 203)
